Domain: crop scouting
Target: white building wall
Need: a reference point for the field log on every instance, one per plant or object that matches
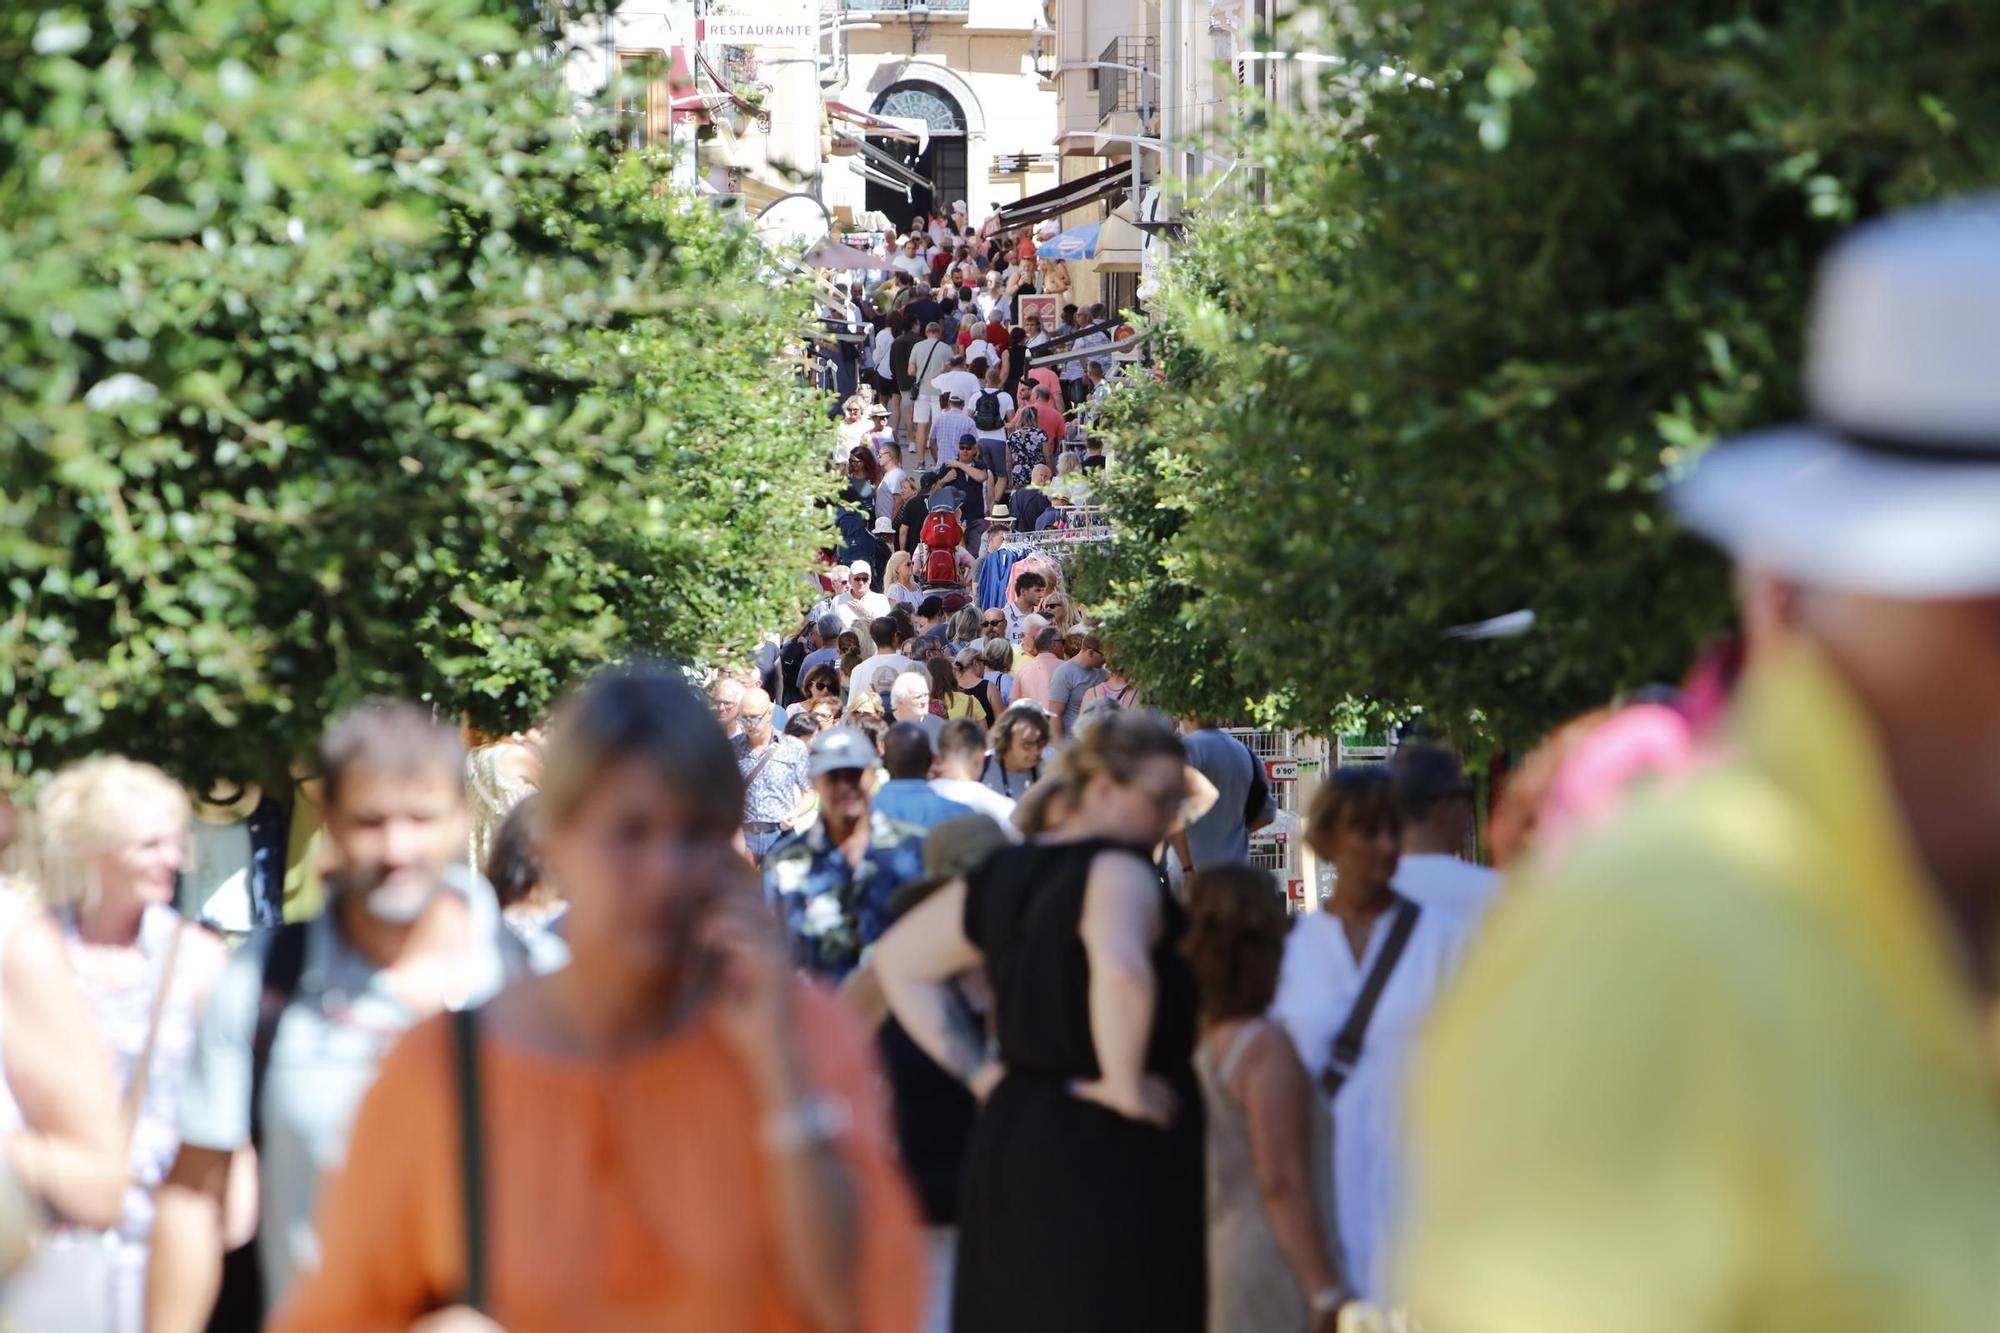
(990, 74)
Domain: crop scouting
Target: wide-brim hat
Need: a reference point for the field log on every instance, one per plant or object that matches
(1892, 486)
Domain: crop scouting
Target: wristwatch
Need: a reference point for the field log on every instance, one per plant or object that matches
(813, 1121)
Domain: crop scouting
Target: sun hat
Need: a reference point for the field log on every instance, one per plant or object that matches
(882, 528)
(1892, 484)
(1000, 513)
(838, 750)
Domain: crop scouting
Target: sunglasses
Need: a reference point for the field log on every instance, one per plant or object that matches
(754, 719)
(991, 624)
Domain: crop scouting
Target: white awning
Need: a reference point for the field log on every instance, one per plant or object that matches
(908, 128)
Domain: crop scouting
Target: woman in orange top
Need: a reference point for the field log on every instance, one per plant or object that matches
(677, 1133)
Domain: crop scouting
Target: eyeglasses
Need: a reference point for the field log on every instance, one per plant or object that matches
(860, 578)
(818, 685)
(754, 719)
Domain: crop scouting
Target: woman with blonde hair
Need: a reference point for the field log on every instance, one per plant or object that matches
(114, 836)
(1083, 1185)
(672, 1133)
(901, 578)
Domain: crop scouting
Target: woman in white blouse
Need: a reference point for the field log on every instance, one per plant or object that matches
(1354, 823)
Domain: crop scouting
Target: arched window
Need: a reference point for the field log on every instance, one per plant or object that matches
(922, 101)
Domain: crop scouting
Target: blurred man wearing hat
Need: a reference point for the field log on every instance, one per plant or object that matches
(1435, 797)
(1726, 1063)
(832, 881)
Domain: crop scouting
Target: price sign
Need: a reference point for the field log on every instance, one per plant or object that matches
(1282, 770)
(1295, 889)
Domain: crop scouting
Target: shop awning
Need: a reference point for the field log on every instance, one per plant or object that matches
(887, 165)
(829, 253)
(1071, 194)
(1121, 349)
(887, 127)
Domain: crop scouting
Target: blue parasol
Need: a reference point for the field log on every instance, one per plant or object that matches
(1076, 243)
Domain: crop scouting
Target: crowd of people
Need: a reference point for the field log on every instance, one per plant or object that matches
(915, 975)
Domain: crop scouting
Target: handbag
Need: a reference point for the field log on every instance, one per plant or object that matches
(75, 1278)
(471, 1157)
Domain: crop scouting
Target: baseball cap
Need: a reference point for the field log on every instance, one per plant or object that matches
(837, 750)
(862, 567)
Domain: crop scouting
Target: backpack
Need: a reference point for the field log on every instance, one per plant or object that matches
(938, 565)
(942, 528)
(986, 411)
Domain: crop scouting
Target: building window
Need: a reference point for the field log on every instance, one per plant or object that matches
(921, 101)
(639, 103)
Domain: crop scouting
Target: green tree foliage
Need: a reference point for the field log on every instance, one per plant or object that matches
(1434, 369)
(334, 362)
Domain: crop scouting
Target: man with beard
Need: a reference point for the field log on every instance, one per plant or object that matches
(302, 1016)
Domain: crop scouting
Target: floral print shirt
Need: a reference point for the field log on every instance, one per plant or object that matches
(832, 910)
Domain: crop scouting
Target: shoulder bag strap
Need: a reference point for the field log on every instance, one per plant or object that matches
(471, 1155)
(758, 767)
(135, 1095)
(1346, 1053)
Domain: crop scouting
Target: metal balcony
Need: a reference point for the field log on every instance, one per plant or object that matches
(1127, 89)
(902, 6)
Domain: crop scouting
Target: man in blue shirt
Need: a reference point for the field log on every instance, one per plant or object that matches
(832, 881)
(907, 795)
(1244, 804)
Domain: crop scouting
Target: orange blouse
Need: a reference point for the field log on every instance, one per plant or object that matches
(630, 1196)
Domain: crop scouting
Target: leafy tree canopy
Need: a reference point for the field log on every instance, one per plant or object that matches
(1434, 368)
(334, 361)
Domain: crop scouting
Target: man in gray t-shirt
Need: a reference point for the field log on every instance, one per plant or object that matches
(1245, 802)
(407, 931)
(1071, 680)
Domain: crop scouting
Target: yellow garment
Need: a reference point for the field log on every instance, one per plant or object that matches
(960, 704)
(1716, 1070)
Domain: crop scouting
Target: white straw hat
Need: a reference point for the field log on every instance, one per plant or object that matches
(1892, 486)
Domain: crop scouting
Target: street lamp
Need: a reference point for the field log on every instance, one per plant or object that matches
(920, 23)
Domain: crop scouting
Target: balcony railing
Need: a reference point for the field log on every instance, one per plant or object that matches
(1127, 89)
(899, 6)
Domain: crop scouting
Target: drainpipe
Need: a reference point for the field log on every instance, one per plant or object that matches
(1173, 99)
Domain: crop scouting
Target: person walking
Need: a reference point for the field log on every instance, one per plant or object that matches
(1435, 798)
(1072, 682)
(777, 792)
(1731, 1055)
(961, 752)
(831, 881)
(1035, 676)
(907, 797)
(296, 1027)
(1082, 1205)
(1274, 1260)
(1357, 984)
(114, 835)
(671, 1133)
(1019, 740)
(1244, 802)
